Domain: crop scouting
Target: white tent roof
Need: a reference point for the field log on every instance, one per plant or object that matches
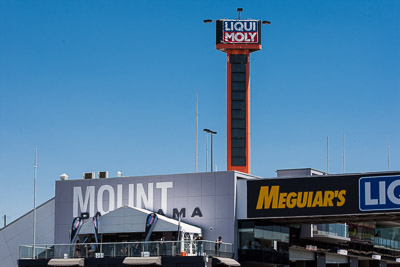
(133, 220)
(67, 262)
(142, 261)
(225, 261)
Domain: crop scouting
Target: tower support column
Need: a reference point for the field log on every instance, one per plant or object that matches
(238, 110)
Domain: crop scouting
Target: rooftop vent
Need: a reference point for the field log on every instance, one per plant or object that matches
(64, 177)
(103, 174)
(88, 175)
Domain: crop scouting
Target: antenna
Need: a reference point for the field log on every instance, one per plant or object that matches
(327, 155)
(34, 204)
(344, 163)
(388, 153)
(197, 130)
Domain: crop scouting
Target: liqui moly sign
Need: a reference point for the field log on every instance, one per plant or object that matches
(379, 193)
(239, 31)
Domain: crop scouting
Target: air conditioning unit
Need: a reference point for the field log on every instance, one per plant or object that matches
(88, 175)
(64, 176)
(102, 174)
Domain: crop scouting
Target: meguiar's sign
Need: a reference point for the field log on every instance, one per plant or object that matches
(271, 198)
(238, 32)
(322, 195)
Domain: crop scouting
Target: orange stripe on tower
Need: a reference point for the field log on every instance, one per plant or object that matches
(229, 112)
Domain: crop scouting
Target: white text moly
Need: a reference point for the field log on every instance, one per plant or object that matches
(241, 37)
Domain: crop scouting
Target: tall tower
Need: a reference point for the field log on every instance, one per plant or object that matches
(238, 38)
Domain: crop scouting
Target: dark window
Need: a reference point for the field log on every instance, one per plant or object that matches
(238, 152)
(241, 124)
(238, 86)
(238, 96)
(238, 161)
(246, 224)
(238, 67)
(238, 133)
(238, 77)
(263, 244)
(238, 114)
(239, 105)
(238, 142)
(238, 59)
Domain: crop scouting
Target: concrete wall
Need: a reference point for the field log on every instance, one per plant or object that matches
(241, 206)
(20, 232)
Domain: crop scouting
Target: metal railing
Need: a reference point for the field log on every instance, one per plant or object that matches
(386, 243)
(127, 249)
(334, 229)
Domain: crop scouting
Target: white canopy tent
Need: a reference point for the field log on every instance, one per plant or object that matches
(133, 220)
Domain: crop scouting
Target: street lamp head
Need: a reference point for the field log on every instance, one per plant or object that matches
(209, 131)
(211, 135)
(266, 22)
(207, 20)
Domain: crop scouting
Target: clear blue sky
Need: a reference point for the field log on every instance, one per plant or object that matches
(111, 85)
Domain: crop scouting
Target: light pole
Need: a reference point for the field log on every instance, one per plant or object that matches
(211, 133)
(34, 206)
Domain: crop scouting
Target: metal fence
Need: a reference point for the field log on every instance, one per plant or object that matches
(127, 249)
(335, 229)
(387, 243)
